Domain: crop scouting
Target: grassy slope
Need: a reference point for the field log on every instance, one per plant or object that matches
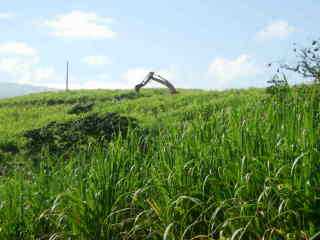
(151, 107)
(225, 164)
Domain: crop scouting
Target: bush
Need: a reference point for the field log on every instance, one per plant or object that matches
(58, 138)
(81, 108)
(130, 95)
(279, 86)
(9, 147)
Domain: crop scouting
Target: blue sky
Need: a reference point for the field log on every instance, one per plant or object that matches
(113, 44)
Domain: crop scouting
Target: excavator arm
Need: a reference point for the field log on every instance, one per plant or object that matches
(156, 78)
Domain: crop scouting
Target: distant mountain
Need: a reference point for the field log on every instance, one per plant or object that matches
(14, 89)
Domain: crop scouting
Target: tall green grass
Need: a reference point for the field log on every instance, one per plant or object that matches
(244, 166)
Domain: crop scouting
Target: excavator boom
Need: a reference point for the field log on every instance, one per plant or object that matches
(156, 78)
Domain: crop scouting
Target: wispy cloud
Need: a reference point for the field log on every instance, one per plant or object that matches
(135, 75)
(97, 60)
(17, 48)
(24, 70)
(20, 63)
(7, 15)
(275, 30)
(225, 73)
(80, 24)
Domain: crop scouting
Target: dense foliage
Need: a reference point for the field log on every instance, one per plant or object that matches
(217, 165)
(59, 138)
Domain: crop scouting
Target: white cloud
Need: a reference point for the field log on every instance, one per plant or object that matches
(14, 65)
(99, 81)
(99, 84)
(20, 63)
(79, 24)
(6, 15)
(135, 75)
(277, 29)
(27, 71)
(44, 74)
(17, 48)
(232, 73)
(170, 73)
(97, 60)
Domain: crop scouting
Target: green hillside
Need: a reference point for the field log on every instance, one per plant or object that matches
(196, 165)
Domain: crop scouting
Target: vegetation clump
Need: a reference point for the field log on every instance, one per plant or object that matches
(8, 147)
(58, 138)
(123, 96)
(81, 108)
(279, 86)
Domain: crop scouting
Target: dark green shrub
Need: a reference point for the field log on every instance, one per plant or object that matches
(124, 96)
(279, 86)
(81, 108)
(58, 138)
(9, 147)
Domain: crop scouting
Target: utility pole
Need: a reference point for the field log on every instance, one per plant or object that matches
(67, 77)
